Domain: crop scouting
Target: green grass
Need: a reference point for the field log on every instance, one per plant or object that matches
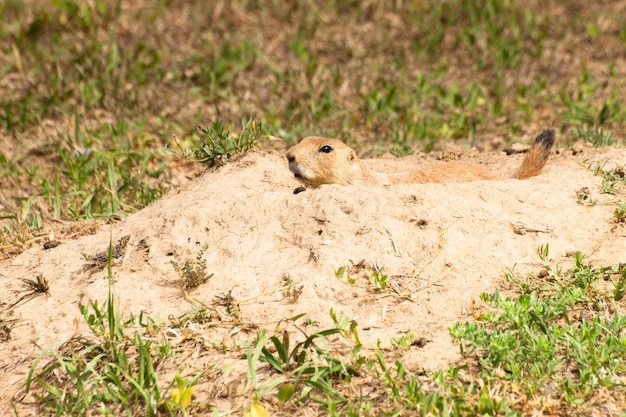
(92, 177)
(114, 370)
(613, 179)
(556, 343)
(216, 144)
(594, 135)
(543, 338)
(559, 344)
(307, 366)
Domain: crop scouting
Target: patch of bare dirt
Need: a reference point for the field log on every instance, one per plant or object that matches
(440, 244)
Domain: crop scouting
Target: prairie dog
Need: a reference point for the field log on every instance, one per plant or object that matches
(316, 161)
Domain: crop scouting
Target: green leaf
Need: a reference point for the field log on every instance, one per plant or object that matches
(286, 392)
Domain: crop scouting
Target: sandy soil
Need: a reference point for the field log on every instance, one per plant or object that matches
(440, 244)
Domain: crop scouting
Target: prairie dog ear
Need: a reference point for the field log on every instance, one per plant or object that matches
(352, 156)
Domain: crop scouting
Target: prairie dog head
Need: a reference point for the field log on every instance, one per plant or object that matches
(316, 161)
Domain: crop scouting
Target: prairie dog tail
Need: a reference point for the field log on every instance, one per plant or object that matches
(537, 156)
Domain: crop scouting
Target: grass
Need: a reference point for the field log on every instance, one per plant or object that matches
(593, 135)
(556, 345)
(613, 180)
(111, 371)
(96, 95)
(216, 144)
(305, 367)
(564, 334)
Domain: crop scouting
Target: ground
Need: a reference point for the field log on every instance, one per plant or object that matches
(103, 103)
(276, 254)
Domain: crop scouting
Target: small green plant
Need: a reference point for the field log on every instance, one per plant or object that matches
(375, 275)
(287, 359)
(193, 271)
(378, 279)
(543, 251)
(300, 49)
(216, 144)
(404, 342)
(39, 285)
(181, 394)
(584, 196)
(94, 175)
(342, 274)
(305, 365)
(594, 135)
(620, 286)
(619, 215)
(381, 101)
(347, 327)
(226, 63)
(34, 287)
(613, 180)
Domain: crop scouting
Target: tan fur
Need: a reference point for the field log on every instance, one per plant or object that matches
(316, 161)
(537, 156)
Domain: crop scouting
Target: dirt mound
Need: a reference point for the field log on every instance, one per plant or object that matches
(278, 253)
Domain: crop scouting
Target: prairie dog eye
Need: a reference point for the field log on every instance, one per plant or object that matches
(326, 149)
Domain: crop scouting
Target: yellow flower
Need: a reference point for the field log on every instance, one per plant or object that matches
(256, 410)
(182, 396)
